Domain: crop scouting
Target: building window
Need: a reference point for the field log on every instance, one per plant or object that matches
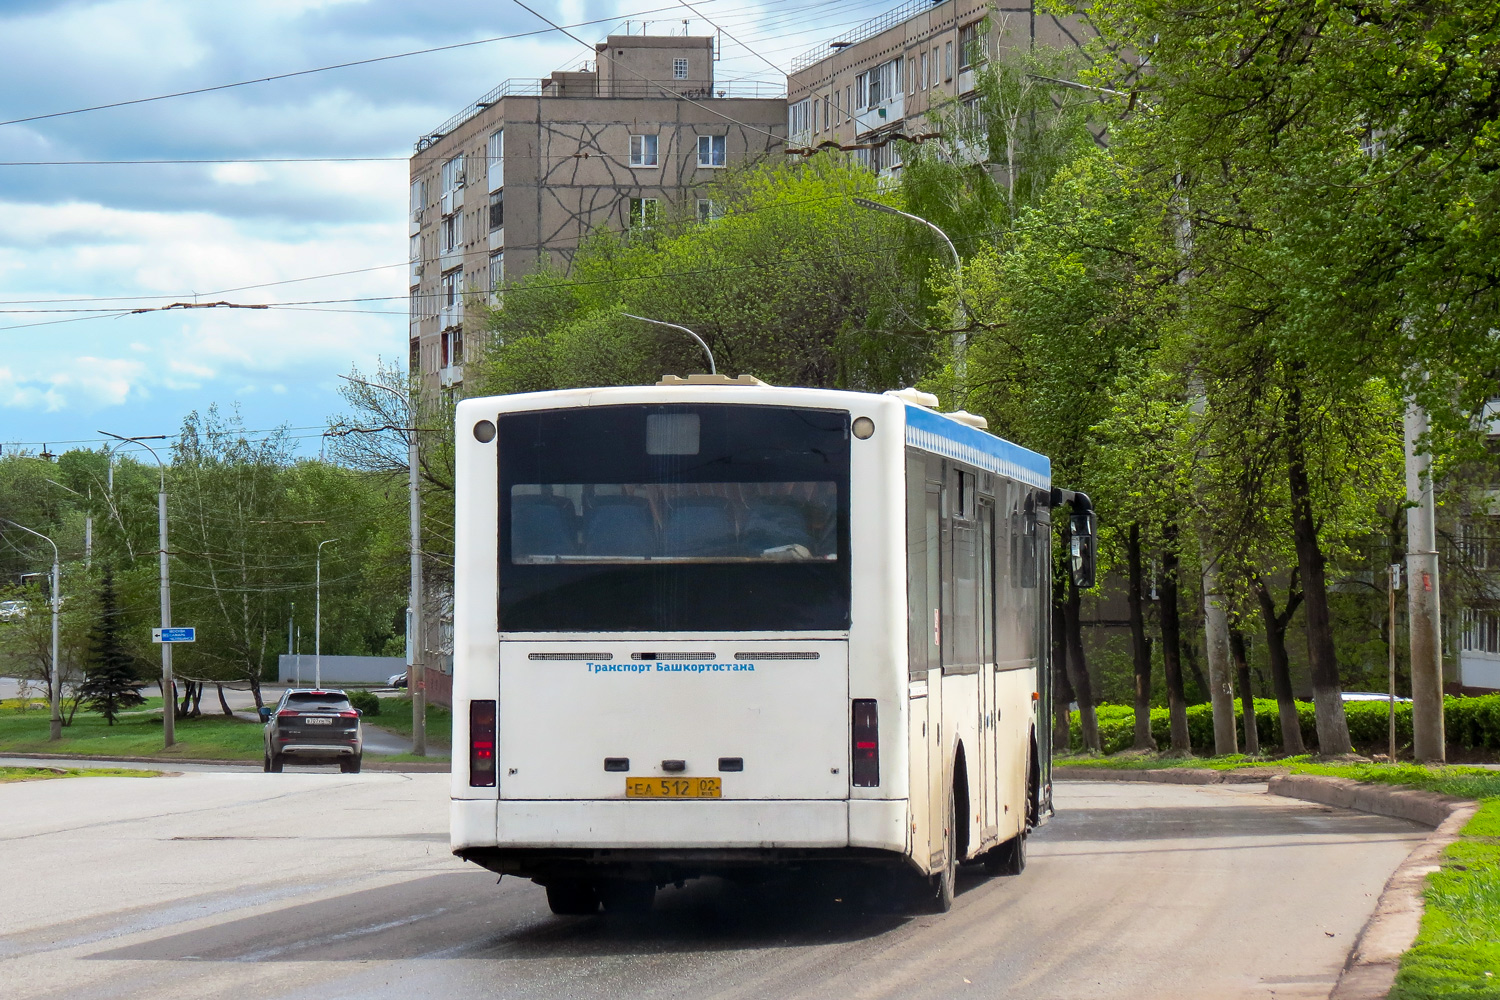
(924, 70)
(816, 121)
(497, 270)
(1481, 630)
(453, 174)
(414, 359)
(799, 121)
(947, 60)
(936, 65)
(457, 345)
(418, 198)
(643, 151)
(453, 229)
(679, 69)
(497, 210)
(712, 150)
(448, 294)
(496, 159)
(968, 45)
(848, 105)
(415, 246)
(861, 90)
(416, 305)
(644, 212)
(1474, 545)
(442, 358)
(709, 210)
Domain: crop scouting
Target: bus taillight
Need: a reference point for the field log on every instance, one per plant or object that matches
(866, 749)
(482, 744)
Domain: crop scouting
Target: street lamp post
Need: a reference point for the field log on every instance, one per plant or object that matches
(712, 370)
(318, 617)
(168, 687)
(960, 338)
(56, 698)
(416, 681)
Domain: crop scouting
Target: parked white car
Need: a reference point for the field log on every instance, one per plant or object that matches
(12, 610)
(398, 680)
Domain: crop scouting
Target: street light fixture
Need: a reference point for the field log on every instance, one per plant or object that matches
(56, 698)
(960, 338)
(416, 680)
(318, 617)
(701, 342)
(168, 687)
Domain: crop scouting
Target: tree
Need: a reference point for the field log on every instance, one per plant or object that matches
(110, 682)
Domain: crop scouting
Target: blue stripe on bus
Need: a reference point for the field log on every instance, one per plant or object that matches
(940, 435)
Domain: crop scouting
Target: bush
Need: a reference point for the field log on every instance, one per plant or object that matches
(1473, 723)
(366, 702)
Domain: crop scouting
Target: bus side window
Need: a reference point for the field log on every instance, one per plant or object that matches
(919, 622)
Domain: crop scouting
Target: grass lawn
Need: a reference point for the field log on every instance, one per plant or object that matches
(1457, 951)
(395, 715)
(9, 774)
(212, 737)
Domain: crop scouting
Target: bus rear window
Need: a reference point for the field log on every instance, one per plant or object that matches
(674, 518)
(602, 523)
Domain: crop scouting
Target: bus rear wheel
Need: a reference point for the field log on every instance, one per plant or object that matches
(941, 885)
(572, 898)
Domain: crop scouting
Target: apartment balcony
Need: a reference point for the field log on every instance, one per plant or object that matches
(416, 274)
(883, 115)
(417, 219)
(452, 201)
(451, 316)
(965, 81)
(449, 259)
(497, 238)
(451, 376)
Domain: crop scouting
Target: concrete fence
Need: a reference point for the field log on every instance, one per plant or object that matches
(339, 670)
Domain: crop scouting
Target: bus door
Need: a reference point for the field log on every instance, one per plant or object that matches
(989, 706)
(937, 778)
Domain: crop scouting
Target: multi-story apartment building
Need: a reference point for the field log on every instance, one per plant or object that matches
(523, 174)
(884, 76)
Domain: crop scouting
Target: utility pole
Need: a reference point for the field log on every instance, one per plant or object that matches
(168, 686)
(1393, 584)
(416, 674)
(318, 617)
(1429, 743)
(56, 685)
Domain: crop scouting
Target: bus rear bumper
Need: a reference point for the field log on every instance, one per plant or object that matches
(690, 825)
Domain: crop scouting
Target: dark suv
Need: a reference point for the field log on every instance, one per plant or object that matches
(316, 727)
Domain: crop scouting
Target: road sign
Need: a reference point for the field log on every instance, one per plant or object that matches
(174, 635)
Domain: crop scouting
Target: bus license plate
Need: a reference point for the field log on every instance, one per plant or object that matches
(673, 788)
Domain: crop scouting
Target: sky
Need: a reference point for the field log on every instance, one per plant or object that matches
(327, 240)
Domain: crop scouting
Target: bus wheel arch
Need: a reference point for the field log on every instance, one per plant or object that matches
(963, 822)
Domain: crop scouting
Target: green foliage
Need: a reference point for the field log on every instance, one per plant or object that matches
(367, 703)
(8, 774)
(1472, 723)
(794, 284)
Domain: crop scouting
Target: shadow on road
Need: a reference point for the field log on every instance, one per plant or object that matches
(465, 915)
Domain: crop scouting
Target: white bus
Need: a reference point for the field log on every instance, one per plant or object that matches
(713, 626)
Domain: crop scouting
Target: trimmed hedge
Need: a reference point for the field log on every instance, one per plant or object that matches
(366, 702)
(1471, 722)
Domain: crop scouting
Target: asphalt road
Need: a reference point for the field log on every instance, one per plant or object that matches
(247, 885)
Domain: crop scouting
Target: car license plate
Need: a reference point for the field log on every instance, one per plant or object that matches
(673, 788)
(315, 721)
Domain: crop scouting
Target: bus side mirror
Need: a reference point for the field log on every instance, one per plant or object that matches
(1083, 538)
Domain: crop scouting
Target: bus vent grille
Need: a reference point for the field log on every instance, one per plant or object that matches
(570, 656)
(672, 656)
(809, 655)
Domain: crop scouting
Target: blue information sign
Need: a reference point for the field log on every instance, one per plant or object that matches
(174, 635)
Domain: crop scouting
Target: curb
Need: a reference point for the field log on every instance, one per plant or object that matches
(1168, 776)
(374, 765)
(1370, 970)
